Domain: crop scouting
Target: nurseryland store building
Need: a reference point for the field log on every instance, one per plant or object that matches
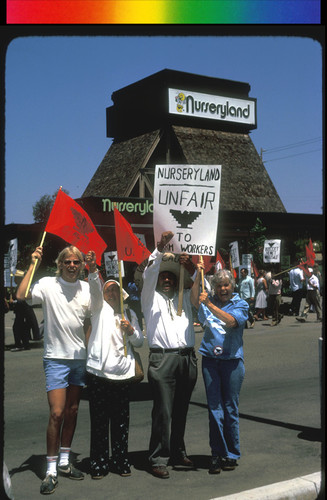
(172, 117)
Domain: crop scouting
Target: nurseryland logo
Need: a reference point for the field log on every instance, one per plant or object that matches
(180, 100)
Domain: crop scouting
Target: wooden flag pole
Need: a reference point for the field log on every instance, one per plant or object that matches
(286, 270)
(122, 303)
(34, 268)
(180, 291)
(202, 273)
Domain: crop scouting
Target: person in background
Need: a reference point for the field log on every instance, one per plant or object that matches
(65, 301)
(109, 369)
(274, 298)
(172, 370)
(134, 299)
(245, 289)
(224, 315)
(261, 296)
(25, 319)
(312, 298)
(296, 283)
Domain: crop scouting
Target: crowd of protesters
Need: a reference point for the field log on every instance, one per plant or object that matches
(89, 340)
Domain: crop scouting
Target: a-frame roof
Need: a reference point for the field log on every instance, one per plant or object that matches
(245, 185)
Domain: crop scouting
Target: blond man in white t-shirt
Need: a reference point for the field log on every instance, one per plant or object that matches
(65, 301)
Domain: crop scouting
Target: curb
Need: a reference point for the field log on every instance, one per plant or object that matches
(301, 488)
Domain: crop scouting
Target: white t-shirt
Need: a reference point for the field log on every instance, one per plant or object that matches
(65, 307)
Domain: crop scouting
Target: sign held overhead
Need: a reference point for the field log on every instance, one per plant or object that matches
(186, 202)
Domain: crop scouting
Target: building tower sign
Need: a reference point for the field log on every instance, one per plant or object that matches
(215, 107)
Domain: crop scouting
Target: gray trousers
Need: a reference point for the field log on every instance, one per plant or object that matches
(312, 298)
(172, 376)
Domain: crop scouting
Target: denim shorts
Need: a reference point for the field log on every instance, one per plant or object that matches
(60, 373)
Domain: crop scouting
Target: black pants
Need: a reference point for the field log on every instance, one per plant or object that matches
(172, 377)
(109, 404)
(296, 301)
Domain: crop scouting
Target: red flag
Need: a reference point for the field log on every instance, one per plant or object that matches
(221, 260)
(303, 266)
(206, 262)
(69, 221)
(129, 246)
(255, 270)
(310, 254)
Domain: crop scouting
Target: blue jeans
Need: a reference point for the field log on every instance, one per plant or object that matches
(223, 380)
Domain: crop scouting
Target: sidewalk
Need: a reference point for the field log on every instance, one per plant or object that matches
(281, 443)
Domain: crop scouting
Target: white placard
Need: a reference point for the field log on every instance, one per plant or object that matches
(111, 264)
(271, 251)
(186, 202)
(235, 257)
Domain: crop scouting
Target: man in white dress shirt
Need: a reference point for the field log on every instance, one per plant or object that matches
(172, 370)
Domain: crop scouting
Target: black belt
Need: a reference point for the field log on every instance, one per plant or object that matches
(180, 350)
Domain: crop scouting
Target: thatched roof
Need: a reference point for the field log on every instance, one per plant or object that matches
(245, 185)
(120, 166)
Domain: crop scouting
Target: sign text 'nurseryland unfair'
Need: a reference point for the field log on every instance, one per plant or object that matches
(229, 109)
(186, 202)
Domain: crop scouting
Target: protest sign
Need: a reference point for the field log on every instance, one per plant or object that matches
(186, 202)
(111, 264)
(271, 251)
(235, 258)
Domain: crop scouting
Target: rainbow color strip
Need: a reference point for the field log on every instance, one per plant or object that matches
(163, 12)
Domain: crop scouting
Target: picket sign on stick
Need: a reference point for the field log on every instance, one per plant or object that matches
(122, 303)
(35, 264)
(180, 291)
(121, 299)
(202, 273)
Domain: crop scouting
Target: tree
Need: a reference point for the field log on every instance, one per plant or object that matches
(256, 241)
(43, 207)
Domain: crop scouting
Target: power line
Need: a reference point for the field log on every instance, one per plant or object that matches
(290, 156)
(293, 145)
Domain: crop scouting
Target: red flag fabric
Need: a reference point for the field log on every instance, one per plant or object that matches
(70, 222)
(206, 262)
(221, 260)
(129, 246)
(303, 266)
(255, 270)
(310, 254)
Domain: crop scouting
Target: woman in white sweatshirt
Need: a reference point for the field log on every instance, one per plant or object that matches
(110, 363)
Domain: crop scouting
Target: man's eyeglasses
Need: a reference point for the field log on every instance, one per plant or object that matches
(75, 262)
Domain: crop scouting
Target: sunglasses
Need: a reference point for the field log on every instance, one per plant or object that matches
(75, 262)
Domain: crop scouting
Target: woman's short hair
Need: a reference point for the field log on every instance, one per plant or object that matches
(220, 276)
(64, 253)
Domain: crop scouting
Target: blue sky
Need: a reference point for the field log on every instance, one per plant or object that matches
(58, 88)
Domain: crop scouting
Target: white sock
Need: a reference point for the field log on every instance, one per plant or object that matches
(64, 456)
(52, 465)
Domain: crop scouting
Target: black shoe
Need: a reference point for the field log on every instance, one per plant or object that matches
(160, 471)
(48, 485)
(228, 464)
(182, 460)
(97, 475)
(17, 349)
(70, 472)
(215, 465)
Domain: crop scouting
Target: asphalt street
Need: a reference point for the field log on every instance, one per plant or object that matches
(280, 423)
